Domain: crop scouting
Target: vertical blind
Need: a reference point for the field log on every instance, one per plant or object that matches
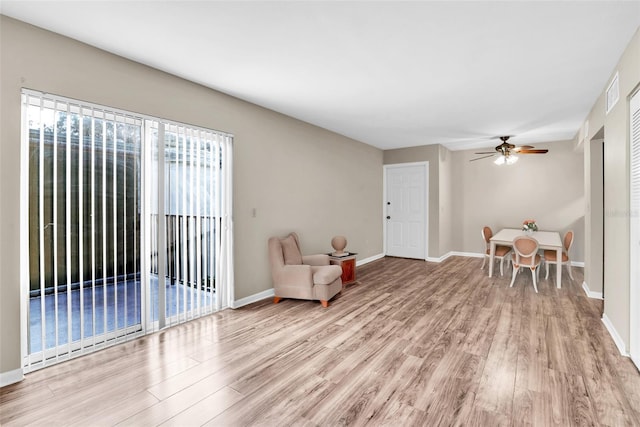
(634, 227)
(99, 269)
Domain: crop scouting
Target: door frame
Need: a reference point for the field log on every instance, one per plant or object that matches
(385, 169)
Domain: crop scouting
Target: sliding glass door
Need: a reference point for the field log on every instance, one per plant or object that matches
(129, 226)
(84, 226)
(187, 178)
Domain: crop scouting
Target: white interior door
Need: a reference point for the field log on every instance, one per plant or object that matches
(634, 225)
(406, 199)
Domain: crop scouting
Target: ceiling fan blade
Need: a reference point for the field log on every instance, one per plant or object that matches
(533, 151)
(484, 157)
(486, 152)
(523, 147)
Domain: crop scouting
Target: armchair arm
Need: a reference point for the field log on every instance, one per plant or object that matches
(319, 259)
(293, 275)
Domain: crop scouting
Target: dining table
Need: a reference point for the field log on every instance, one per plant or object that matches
(546, 240)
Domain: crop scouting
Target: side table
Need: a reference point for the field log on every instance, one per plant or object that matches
(348, 264)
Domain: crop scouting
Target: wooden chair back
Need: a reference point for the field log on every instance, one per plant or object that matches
(526, 249)
(568, 241)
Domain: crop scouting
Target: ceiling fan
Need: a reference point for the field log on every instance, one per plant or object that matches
(507, 152)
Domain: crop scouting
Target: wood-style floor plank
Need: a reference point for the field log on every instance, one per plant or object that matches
(411, 343)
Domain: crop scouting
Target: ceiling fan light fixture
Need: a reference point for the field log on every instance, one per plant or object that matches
(506, 160)
(506, 152)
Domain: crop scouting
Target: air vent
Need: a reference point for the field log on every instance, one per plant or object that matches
(613, 93)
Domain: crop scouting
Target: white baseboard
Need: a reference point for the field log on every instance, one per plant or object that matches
(253, 298)
(455, 253)
(480, 255)
(590, 293)
(614, 334)
(635, 360)
(368, 260)
(466, 254)
(11, 377)
(439, 259)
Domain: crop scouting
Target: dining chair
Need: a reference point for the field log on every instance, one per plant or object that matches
(525, 254)
(501, 251)
(551, 258)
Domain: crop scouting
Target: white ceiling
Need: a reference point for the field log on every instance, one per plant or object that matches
(387, 73)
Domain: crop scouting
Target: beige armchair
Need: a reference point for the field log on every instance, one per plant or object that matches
(308, 277)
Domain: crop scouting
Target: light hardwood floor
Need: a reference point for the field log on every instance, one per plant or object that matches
(412, 343)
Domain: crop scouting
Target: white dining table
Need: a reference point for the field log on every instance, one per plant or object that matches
(546, 240)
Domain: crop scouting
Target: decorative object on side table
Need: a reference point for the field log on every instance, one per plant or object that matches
(338, 243)
(529, 226)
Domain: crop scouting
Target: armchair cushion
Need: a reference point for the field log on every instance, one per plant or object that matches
(294, 275)
(320, 259)
(291, 251)
(325, 274)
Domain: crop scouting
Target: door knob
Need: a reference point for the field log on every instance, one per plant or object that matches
(388, 217)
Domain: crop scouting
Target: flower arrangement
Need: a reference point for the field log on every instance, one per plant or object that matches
(529, 225)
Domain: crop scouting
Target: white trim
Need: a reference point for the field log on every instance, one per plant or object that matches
(67, 203)
(441, 258)
(368, 260)
(635, 360)
(23, 248)
(590, 293)
(11, 377)
(454, 253)
(614, 334)
(466, 254)
(478, 255)
(253, 298)
(146, 153)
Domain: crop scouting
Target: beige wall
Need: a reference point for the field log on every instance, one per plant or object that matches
(548, 188)
(616, 190)
(297, 176)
